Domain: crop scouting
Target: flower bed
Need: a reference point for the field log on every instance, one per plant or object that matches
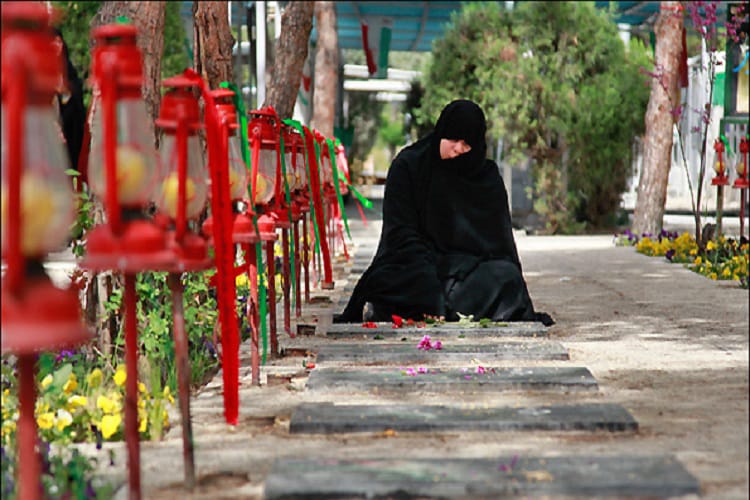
(721, 259)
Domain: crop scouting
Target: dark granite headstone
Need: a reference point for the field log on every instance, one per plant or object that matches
(327, 418)
(379, 353)
(481, 478)
(387, 330)
(474, 378)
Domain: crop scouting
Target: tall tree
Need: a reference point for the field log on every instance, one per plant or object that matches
(290, 54)
(557, 85)
(148, 18)
(660, 118)
(213, 42)
(326, 69)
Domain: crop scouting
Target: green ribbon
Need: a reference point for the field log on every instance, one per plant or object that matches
(261, 292)
(247, 158)
(288, 197)
(298, 126)
(332, 154)
(726, 143)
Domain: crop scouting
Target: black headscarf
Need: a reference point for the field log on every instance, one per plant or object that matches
(441, 219)
(72, 109)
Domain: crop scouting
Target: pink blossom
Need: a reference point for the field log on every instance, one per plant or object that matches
(422, 369)
(438, 345)
(410, 371)
(480, 370)
(425, 343)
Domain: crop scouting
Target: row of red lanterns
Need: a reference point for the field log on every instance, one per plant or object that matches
(742, 182)
(126, 172)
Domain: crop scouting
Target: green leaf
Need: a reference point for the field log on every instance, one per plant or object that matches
(60, 377)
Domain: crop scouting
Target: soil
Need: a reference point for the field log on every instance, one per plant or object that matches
(669, 345)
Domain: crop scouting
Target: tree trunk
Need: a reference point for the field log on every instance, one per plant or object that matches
(148, 18)
(326, 69)
(213, 42)
(652, 188)
(291, 52)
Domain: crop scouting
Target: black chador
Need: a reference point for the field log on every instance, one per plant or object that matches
(447, 243)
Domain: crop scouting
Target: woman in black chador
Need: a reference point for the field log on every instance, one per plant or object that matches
(447, 243)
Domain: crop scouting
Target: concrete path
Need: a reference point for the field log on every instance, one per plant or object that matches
(667, 349)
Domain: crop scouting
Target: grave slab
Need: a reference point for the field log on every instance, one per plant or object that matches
(380, 353)
(328, 418)
(386, 330)
(463, 379)
(481, 478)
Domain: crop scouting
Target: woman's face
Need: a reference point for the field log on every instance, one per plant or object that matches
(450, 148)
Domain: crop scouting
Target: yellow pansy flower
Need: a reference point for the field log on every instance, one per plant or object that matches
(105, 404)
(8, 426)
(94, 378)
(142, 421)
(77, 401)
(120, 376)
(241, 280)
(141, 387)
(63, 419)
(726, 272)
(710, 245)
(110, 425)
(712, 276)
(46, 381)
(698, 261)
(71, 385)
(168, 394)
(46, 420)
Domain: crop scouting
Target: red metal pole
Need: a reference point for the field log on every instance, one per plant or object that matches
(253, 312)
(131, 389)
(286, 282)
(271, 270)
(298, 271)
(183, 377)
(29, 467)
(742, 212)
(306, 256)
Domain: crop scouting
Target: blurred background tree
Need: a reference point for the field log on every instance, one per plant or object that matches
(559, 87)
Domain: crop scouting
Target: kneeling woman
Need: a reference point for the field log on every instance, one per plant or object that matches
(447, 243)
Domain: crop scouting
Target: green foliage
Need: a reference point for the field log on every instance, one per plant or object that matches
(365, 116)
(391, 132)
(175, 57)
(537, 71)
(609, 113)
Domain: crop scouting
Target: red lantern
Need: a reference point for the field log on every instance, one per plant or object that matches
(741, 182)
(37, 210)
(294, 155)
(182, 197)
(264, 132)
(123, 167)
(721, 178)
(243, 230)
(182, 193)
(123, 170)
